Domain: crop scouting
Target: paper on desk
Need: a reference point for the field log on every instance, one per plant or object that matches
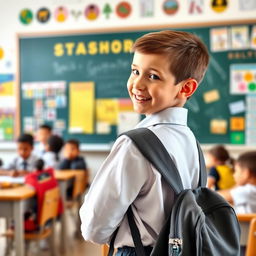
(14, 180)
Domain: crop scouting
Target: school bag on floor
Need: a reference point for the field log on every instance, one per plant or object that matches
(201, 222)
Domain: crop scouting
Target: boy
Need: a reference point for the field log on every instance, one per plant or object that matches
(166, 70)
(72, 158)
(43, 134)
(24, 162)
(243, 196)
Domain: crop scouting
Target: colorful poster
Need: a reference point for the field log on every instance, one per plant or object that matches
(219, 39)
(240, 37)
(250, 120)
(243, 78)
(218, 126)
(237, 124)
(7, 124)
(81, 107)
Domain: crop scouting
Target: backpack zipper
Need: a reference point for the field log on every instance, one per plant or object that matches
(175, 245)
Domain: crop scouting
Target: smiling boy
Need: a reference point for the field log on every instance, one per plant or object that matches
(166, 70)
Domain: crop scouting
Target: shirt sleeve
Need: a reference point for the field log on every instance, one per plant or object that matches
(214, 173)
(115, 186)
(239, 195)
(64, 164)
(78, 163)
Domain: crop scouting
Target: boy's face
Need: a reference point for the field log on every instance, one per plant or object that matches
(43, 135)
(241, 175)
(24, 149)
(70, 151)
(151, 85)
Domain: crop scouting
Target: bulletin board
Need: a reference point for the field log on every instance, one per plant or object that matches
(76, 77)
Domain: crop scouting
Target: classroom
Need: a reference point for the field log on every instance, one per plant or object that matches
(68, 91)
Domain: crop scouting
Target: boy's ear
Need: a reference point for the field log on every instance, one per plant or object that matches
(189, 87)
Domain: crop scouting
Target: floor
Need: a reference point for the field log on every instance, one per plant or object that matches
(76, 247)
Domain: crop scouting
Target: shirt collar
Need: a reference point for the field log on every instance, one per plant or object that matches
(175, 115)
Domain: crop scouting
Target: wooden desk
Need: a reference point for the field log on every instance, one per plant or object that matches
(12, 206)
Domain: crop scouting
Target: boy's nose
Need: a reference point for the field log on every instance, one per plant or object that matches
(139, 84)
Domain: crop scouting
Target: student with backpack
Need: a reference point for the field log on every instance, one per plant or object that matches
(166, 70)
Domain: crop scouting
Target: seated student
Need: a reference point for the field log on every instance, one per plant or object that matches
(72, 158)
(52, 150)
(221, 170)
(42, 136)
(24, 162)
(243, 196)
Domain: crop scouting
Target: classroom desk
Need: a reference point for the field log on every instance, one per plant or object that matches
(12, 206)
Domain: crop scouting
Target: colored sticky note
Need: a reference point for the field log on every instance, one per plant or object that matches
(237, 107)
(107, 110)
(218, 126)
(237, 123)
(211, 96)
(237, 138)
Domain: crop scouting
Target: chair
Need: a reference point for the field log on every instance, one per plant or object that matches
(80, 183)
(104, 250)
(48, 212)
(248, 232)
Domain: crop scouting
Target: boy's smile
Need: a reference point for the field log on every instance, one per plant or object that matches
(151, 84)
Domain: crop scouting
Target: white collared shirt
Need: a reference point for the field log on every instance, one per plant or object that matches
(18, 163)
(126, 177)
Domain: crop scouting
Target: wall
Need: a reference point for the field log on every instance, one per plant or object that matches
(10, 26)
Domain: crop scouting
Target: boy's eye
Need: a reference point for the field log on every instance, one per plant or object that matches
(154, 77)
(135, 72)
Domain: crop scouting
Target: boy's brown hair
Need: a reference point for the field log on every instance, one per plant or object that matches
(220, 153)
(188, 55)
(248, 160)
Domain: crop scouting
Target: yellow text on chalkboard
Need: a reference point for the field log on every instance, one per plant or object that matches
(92, 47)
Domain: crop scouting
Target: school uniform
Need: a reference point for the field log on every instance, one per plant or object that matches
(50, 160)
(18, 163)
(244, 198)
(77, 163)
(126, 177)
(39, 149)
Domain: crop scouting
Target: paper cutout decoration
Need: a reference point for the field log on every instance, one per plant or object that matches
(248, 5)
(195, 6)
(237, 107)
(146, 8)
(123, 9)
(43, 15)
(1, 53)
(237, 138)
(170, 7)
(103, 128)
(26, 16)
(240, 37)
(92, 12)
(218, 126)
(243, 78)
(7, 124)
(81, 107)
(211, 96)
(219, 5)
(251, 119)
(237, 124)
(253, 37)
(107, 10)
(219, 39)
(61, 14)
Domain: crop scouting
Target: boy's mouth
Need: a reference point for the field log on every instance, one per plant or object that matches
(141, 98)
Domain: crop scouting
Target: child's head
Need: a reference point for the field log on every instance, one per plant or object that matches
(245, 168)
(25, 144)
(218, 155)
(71, 149)
(43, 133)
(54, 144)
(166, 70)
(39, 165)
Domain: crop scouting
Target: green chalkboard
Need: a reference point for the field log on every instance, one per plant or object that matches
(103, 57)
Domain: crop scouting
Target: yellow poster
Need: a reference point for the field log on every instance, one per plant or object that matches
(81, 107)
(7, 88)
(107, 111)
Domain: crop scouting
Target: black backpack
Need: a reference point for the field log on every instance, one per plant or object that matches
(201, 222)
